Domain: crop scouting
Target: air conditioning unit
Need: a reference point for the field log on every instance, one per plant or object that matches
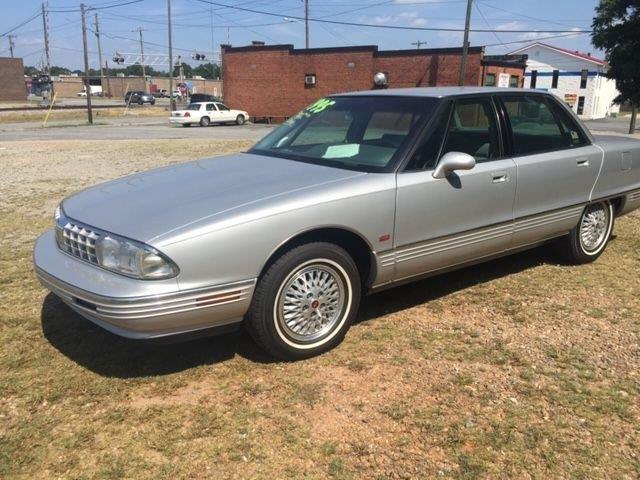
(310, 79)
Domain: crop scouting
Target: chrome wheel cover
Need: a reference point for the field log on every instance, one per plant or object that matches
(311, 302)
(594, 227)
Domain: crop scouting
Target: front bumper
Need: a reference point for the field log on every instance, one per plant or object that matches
(137, 308)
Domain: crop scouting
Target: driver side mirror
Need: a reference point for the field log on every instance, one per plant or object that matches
(453, 161)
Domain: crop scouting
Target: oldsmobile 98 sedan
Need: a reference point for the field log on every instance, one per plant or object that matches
(356, 193)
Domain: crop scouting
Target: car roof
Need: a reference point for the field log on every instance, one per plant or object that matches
(436, 92)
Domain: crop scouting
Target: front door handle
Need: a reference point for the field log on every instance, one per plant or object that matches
(582, 162)
(499, 177)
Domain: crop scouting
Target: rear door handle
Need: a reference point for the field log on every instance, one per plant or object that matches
(499, 177)
(582, 162)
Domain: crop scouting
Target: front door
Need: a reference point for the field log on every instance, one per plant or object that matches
(557, 167)
(225, 113)
(466, 216)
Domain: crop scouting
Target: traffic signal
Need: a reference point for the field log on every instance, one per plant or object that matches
(117, 58)
(199, 56)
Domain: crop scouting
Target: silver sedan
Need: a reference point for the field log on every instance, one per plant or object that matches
(356, 193)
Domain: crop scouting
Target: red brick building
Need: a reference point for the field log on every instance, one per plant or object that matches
(506, 68)
(269, 80)
(12, 87)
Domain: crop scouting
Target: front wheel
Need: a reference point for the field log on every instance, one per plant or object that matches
(240, 119)
(305, 302)
(586, 242)
(140, 101)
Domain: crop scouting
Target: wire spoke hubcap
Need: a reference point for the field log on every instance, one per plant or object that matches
(311, 302)
(594, 227)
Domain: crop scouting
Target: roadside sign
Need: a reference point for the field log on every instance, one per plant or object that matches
(570, 98)
(503, 80)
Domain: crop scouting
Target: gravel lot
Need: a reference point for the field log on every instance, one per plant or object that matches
(521, 368)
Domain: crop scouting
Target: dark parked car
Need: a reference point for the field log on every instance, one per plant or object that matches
(139, 98)
(202, 97)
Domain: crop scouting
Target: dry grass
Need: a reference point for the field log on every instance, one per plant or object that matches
(520, 368)
(81, 114)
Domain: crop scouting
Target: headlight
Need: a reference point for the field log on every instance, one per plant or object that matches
(132, 258)
(121, 255)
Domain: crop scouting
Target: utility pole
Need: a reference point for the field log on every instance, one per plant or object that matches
(11, 44)
(144, 74)
(106, 66)
(465, 45)
(46, 40)
(306, 23)
(172, 100)
(87, 87)
(418, 43)
(213, 46)
(99, 53)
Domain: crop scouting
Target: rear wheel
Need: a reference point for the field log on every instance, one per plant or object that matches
(305, 302)
(588, 239)
(240, 119)
(205, 121)
(140, 102)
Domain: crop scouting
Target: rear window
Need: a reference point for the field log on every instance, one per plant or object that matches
(539, 126)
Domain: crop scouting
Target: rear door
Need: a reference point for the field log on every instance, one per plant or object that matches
(212, 112)
(441, 222)
(557, 166)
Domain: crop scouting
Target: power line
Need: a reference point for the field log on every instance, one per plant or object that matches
(533, 40)
(392, 27)
(73, 10)
(21, 24)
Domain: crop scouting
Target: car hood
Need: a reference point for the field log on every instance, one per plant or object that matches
(149, 204)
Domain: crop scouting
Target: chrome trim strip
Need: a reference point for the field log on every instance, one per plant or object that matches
(467, 238)
(148, 306)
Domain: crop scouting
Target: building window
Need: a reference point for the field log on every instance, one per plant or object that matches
(534, 77)
(580, 105)
(514, 80)
(554, 79)
(583, 78)
(490, 80)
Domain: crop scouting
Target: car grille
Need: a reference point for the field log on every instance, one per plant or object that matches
(79, 241)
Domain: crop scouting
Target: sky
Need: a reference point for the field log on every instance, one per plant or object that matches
(192, 25)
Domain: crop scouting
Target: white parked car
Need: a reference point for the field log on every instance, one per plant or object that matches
(206, 113)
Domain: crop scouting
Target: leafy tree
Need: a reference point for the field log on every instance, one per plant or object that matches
(55, 70)
(186, 69)
(30, 71)
(207, 70)
(616, 30)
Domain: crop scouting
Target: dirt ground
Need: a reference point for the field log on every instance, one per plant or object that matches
(521, 368)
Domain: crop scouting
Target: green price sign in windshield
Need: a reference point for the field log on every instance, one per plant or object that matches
(320, 105)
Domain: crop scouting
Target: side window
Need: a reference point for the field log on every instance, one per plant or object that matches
(554, 79)
(222, 107)
(473, 130)
(425, 156)
(534, 78)
(569, 126)
(534, 126)
(210, 106)
(514, 80)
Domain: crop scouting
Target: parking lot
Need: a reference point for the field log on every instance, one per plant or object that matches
(520, 365)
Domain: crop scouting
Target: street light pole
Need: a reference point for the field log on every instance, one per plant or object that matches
(97, 25)
(465, 45)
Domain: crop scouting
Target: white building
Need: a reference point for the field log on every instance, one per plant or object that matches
(576, 78)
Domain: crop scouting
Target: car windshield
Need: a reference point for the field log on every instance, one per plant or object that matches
(193, 106)
(362, 133)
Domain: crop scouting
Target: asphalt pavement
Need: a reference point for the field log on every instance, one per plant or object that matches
(128, 129)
